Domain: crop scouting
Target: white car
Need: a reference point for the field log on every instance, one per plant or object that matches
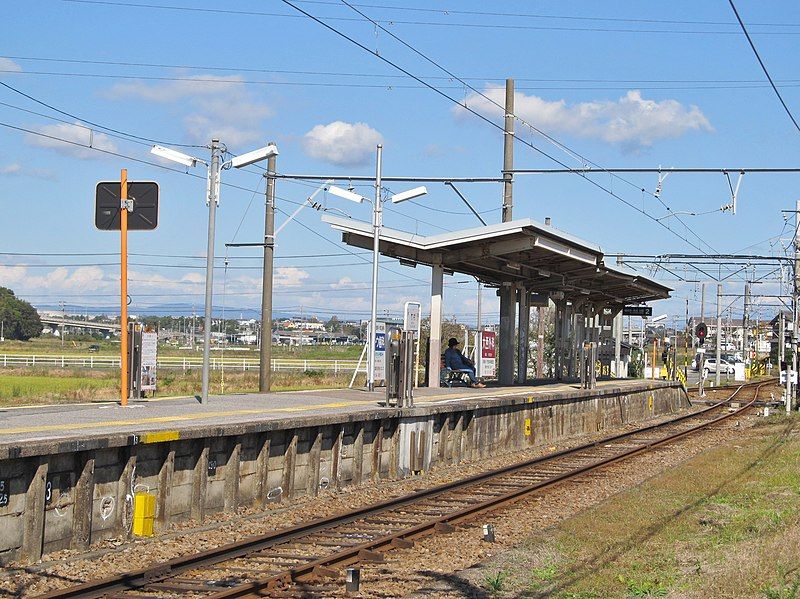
(710, 365)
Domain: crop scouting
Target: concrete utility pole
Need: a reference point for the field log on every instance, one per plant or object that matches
(507, 292)
(795, 313)
(213, 178)
(377, 217)
(702, 302)
(508, 153)
(688, 341)
(745, 322)
(265, 351)
(719, 331)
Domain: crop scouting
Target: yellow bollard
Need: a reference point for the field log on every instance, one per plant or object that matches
(144, 513)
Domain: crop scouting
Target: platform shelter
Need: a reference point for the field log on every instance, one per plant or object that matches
(520, 258)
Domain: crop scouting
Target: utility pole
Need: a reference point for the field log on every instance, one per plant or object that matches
(795, 290)
(265, 352)
(213, 198)
(63, 321)
(702, 302)
(745, 322)
(377, 218)
(508, 153)
(507, 292)
(719, 331)
(688, 341)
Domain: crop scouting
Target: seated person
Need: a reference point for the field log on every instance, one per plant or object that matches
(458, 362)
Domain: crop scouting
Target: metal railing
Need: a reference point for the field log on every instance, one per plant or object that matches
(173, 362)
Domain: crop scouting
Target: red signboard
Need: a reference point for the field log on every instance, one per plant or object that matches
(488, 346)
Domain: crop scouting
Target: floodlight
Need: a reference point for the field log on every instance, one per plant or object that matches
(347, 195)
(409, 195)
(174, 156)
(254, 156)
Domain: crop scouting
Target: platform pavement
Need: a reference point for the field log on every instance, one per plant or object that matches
(67, 422)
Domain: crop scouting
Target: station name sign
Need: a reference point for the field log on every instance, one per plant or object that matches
(637, 311)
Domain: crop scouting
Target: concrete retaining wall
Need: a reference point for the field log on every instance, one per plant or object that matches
(68, 494)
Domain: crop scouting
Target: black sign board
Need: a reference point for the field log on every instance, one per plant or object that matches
(637, 311)
(5, 492)
(144, 196)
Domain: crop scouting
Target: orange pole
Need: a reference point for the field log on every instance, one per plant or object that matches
(123, 286)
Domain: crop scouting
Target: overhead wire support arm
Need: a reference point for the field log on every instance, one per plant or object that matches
(371, 178)
(463, 199)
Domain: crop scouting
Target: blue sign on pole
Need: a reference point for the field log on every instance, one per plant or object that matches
(380, 341)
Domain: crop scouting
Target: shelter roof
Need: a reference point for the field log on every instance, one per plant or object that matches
(524, 252)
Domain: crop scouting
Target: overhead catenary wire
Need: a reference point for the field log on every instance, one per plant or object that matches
(477, 25)
(490, 122)
(94, 124)
(448, 11)
(533, 127)
(690, 83)
(763, 66)
(387, 85)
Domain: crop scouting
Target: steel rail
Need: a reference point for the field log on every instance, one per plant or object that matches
(369, 551)
(138, 579)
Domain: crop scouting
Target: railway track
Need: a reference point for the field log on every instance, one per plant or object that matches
(307, 560)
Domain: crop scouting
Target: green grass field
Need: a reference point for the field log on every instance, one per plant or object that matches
(52, 345)
(36, 386)
(19, 389)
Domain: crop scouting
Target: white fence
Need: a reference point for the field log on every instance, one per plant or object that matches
(172, 362)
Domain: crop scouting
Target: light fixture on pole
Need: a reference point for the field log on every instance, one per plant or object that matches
(377, 223)
(212, 200)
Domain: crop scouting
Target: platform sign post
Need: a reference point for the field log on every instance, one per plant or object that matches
(148, 361)
(379, 352)
(121, 206)
(412, 321)
(486, 344)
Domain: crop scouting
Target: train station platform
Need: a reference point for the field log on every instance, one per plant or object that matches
(71, 473)
(186, 415)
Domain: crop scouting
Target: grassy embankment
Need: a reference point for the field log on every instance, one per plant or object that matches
(725, 524)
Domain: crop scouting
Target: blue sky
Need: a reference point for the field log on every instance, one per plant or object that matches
(623, 84)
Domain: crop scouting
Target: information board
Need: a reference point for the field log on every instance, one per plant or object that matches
(148, 363)
(411, 317)
(637, 311)
(379, 369)
(486, 341)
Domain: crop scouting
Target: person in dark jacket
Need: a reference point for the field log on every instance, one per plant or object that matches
(458, 362)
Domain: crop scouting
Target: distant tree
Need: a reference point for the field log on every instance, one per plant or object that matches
(20, 319)
(333, 325)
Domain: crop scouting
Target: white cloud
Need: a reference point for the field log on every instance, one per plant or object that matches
(9, 66)
(288, 276)
(343, 144)
(11, 169)
(78, 139)
(215, 106)
(16, 169)
(631, 122)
